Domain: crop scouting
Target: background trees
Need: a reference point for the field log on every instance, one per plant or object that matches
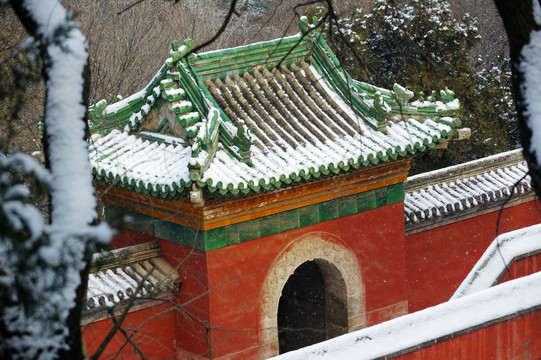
(423, 44)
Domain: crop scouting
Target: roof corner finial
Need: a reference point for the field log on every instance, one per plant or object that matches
(189, 44)
(433, 96)
(178, 52)
(243, 140)
(447, 95)
(402, 94)
(378, 111)
(304, 25)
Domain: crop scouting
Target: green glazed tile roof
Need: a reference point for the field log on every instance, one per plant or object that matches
(257, 118)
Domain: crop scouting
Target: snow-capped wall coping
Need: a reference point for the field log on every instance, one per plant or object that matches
(459, 190)
(503, 251)
(465, 170)
(117, 276)
(427, 327)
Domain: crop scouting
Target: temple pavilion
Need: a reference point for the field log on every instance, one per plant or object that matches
(262, 197)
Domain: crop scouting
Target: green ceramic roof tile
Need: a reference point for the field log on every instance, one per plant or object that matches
(257, 118)
(249, 230)
(269, 225)
(232, 234)
(308, 215)
(328, 210)
(395, 193)
(215, 239)
(381, 196)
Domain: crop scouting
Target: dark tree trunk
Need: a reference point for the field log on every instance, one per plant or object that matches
(519, 22)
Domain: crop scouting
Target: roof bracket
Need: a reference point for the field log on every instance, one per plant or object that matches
(196, 196)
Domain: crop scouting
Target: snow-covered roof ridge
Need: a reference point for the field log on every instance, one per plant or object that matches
(459, 190)
(427, 327)
(116, 276)
(504, 250)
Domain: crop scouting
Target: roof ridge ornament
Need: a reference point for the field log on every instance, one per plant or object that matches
(378, 111)
(402, 94)
(196, 196)
(305, 26)
(447, 95)
(243, 141)
(179, 52)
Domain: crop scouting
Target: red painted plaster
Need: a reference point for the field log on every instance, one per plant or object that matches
(153, 338)
(522, 267)
(221, 288)
(376, 239)
(192, 301)
(515, 338)
(439, 259)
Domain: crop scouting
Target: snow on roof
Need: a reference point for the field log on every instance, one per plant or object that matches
(136, 271)
(457, 190)
(426, 327)
(503, 251)
(257, 118)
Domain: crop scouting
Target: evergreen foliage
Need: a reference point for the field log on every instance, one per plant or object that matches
(423, 45)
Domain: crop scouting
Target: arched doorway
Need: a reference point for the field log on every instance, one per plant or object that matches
(312, 307)
(344, 290)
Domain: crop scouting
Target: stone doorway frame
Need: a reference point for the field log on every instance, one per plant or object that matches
(327, 250)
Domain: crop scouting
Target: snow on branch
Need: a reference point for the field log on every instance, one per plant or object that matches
(530, 66)
(41, 265)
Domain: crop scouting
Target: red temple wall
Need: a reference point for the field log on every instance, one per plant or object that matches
(439, 259)
(376, 239)
(522, 267)
(508, 339)
(221, 288)
(235, 274)
(191, 265)
(153, 338)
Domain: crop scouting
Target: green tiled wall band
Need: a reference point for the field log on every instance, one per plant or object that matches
(262, 227)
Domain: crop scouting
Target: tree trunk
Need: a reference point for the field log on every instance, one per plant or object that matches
(74, 348)
(519, 23)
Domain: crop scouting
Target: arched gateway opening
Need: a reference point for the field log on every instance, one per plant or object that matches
(331, 260)
(312, 307)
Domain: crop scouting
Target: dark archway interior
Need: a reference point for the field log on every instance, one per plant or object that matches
(302, 313)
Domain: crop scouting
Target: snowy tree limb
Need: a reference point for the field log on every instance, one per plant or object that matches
(58, 265)
(523, 27)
